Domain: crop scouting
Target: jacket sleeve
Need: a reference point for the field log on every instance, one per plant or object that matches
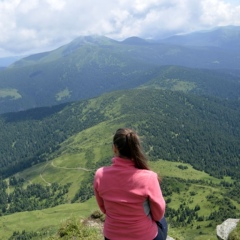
(99, 199)
(156, 200)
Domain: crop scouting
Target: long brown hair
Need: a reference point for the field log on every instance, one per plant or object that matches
(128, 145)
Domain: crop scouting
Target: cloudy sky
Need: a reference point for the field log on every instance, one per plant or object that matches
(29, 26)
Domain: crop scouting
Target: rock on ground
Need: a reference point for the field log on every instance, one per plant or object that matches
(224, 229)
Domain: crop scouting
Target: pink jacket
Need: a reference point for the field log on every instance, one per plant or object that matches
(126, 195)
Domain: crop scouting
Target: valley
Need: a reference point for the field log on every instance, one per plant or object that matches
(60, 109)
(190, 188)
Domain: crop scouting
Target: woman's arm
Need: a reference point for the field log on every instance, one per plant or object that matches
(99, 199)
(156, 200)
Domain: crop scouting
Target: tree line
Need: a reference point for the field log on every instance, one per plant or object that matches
(31, 197)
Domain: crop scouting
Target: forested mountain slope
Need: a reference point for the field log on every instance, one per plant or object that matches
(92, 65)
(202, 131)
(203, 82)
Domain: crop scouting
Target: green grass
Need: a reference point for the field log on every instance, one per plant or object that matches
(63, 94)
(172, 84)
(170, 169)
(235, 234)
(10, 92)
(33, 219)
(182, 86)
(50, 218)
(74, 228)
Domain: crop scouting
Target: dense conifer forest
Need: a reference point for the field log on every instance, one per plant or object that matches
(202, 131)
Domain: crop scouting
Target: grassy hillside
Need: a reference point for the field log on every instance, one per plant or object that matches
(64, 145)
(193, 186)
(46, 221)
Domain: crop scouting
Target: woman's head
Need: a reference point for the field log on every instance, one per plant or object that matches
(128, 145)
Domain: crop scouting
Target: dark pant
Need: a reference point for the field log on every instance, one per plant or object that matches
(162, 230)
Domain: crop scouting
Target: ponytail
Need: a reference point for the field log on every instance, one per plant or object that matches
(128, 144)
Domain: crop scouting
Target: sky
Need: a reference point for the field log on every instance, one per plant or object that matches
(31, 26)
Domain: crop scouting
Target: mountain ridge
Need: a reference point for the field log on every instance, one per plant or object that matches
(226, 37)
(92, 65)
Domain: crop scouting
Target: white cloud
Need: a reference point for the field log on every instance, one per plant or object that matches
(219, 13)
(38, 25)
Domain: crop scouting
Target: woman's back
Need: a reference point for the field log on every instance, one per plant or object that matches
(126, 192)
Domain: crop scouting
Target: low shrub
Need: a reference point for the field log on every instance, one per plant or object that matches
(235, 234)
(76, 229)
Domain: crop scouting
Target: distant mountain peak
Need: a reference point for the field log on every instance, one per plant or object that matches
(92, 39)
(135, 40)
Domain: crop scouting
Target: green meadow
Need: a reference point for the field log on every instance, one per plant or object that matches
(63, 94)
(47, 219)
(50, 219)
(10, 92)
(192, 194)
(76, 159)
